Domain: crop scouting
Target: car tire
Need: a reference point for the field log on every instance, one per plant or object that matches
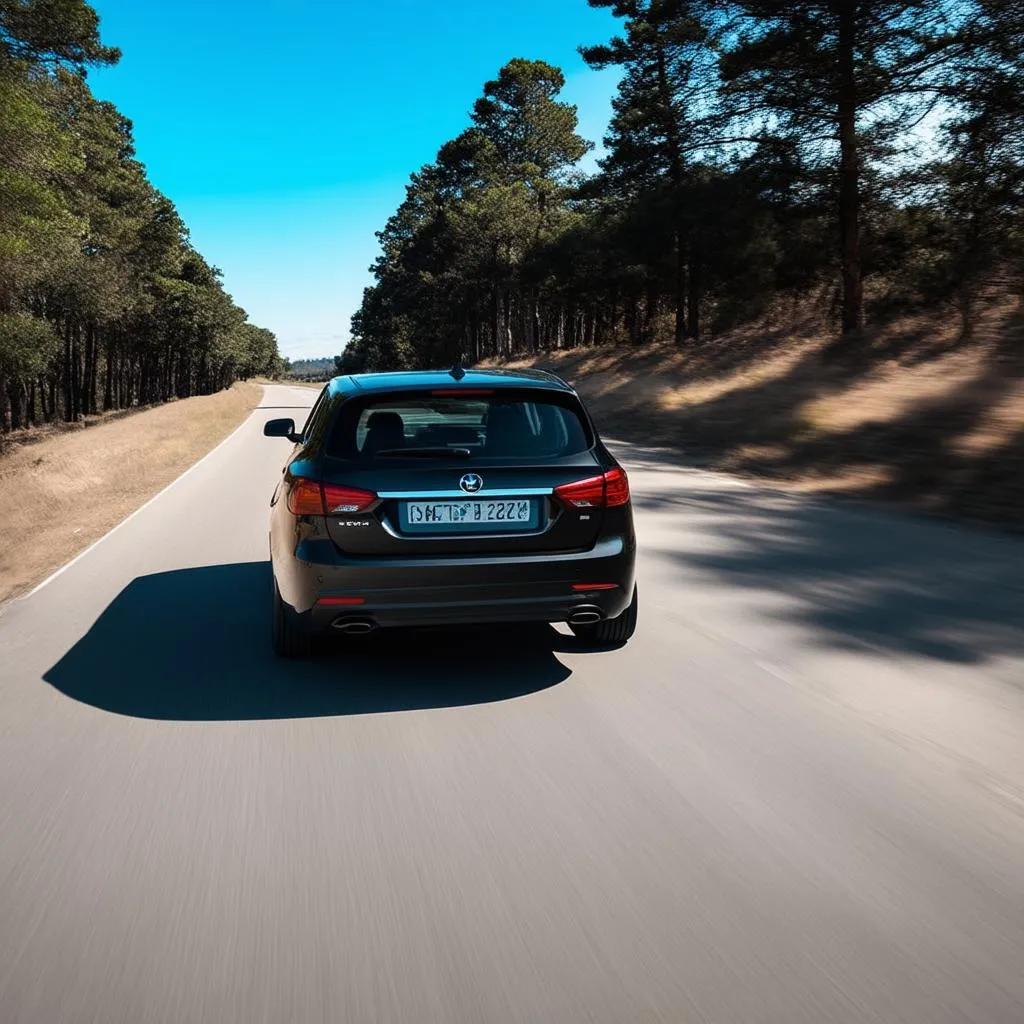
(289, 642)
(611, 632)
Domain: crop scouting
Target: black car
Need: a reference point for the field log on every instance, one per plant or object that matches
(436, 498)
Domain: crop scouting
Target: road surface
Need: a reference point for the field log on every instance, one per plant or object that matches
(796, 796)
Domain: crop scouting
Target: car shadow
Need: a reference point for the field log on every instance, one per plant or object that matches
(193, 645)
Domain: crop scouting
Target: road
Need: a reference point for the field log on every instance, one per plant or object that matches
(796, 796)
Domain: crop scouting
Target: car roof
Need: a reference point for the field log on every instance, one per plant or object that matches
(418, 379)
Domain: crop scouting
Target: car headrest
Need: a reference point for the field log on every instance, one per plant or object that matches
(508, 429)
(384, 420)
(384, 430)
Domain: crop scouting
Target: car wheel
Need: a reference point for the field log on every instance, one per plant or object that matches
(611, 632)
(289, 642)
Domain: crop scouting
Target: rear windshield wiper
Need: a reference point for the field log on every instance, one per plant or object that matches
(424, 453)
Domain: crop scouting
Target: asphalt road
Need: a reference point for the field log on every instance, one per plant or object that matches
(796, 796)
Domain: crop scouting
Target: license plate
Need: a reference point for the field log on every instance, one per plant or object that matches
(466, 516)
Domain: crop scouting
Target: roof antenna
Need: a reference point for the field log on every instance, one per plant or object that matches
(457, 372)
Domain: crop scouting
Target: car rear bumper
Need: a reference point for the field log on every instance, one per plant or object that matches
(324, 589)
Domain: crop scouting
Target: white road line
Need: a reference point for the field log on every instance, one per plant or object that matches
(127, 519)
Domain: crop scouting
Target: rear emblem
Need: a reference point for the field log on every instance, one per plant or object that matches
(471, 483)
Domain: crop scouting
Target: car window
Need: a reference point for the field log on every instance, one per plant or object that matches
(313, 413)
(489, 427)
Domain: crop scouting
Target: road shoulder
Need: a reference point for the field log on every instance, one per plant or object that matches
(63, 494)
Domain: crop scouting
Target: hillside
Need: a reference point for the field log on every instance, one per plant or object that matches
(927, 419)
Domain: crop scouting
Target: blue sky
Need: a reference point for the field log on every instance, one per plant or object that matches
(285, 130)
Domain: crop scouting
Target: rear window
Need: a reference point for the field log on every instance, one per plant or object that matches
(514, 427)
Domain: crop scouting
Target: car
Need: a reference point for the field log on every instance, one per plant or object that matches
(449, 498)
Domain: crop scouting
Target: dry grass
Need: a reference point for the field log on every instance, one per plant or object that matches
(63, 491)
(924, 417)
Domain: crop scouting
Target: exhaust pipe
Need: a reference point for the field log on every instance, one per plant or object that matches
(352, 626)
(585, 616)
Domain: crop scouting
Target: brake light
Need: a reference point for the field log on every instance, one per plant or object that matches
(581, 587)
(340, 600)
(452, 392)
(347, 500)
(616, 488)
(311, 498)
(608, 491)
(584, 493)
(305, 498)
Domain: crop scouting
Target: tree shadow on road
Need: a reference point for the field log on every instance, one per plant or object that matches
(853, 576)
(193, 645)
(947, 439)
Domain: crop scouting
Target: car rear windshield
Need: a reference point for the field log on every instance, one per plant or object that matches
(533, 426)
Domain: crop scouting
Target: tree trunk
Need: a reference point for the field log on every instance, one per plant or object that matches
(496, 302)
(108, 382)
(507, 323)
(693, 297)
(680, 289)
(675, 161)
(76, 373)
(87, 369)
(849, 172)
(652, 299)
(5, 407)
(93, 397)
(68, 387)
(634, 322)
(15, 416)
(968, 274)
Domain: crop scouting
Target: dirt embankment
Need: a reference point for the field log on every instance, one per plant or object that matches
(927, 418)
(61, 490)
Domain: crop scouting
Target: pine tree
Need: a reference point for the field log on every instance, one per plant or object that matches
(103, 300)
(53, 33)
(983, 181)
(665, 116)
(840, 79)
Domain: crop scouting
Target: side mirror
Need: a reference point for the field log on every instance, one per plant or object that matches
(281, 428)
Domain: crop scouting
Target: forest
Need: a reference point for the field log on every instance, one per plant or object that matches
(871, 153)
(104, 302)
(308, 369)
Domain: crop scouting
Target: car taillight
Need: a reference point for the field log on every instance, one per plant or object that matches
(305, 498)
(616, 488)
(587, 493)
(608, 491)
(311, 498)
(347, 500)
